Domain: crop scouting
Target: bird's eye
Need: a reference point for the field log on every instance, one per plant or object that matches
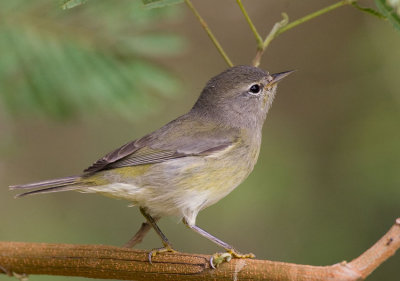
(255, 89)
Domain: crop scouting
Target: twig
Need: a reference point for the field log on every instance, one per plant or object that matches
(271, 35)
(284, 25)
(252, 26)
(209, 33)
(315, 14)
(107, 262)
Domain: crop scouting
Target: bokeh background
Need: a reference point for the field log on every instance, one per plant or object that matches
(76, 84)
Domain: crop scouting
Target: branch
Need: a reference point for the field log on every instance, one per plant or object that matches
(107, 262)
(284, 25)
(251, 24)
(209, 33)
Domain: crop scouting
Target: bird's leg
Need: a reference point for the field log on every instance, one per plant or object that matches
(140, 234)
(218, 258)
(167, 246)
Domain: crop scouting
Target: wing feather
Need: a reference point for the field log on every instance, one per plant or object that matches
(165, 144)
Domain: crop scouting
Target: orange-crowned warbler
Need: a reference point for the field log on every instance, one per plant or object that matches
(191, 162)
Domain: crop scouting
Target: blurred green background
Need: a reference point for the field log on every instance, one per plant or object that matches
(76, 84)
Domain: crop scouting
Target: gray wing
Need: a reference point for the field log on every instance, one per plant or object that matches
(179, 138)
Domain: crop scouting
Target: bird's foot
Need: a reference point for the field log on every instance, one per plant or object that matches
(238, 255)
(219, 258)
(154, 252)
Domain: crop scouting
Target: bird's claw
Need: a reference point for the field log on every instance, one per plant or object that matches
(238, 255)
(219, 258)
(155, 252)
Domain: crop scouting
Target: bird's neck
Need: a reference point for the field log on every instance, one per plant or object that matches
(232, 119)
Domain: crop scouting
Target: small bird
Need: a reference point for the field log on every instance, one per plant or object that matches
(190, 163)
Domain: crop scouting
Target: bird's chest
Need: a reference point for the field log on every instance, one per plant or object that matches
(227, 169)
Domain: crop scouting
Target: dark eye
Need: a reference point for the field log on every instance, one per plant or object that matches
(255, 89)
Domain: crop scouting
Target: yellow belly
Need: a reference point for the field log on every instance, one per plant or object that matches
(180, 187)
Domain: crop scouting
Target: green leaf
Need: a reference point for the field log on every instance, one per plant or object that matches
(368, 11)
(56, 67)
(150, 4)
(391, 10)
(68, 4)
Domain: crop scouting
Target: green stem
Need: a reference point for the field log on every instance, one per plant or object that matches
(284, 25)
(314, 15)
(253, 28)
(209, 33)
(275, 30)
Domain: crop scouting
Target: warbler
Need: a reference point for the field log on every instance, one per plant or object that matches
(190, 163)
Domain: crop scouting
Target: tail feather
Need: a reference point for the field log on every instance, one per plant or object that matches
(48, 186)
(47, 183)
(49, 190)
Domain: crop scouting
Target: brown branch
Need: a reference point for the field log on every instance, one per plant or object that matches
(109, 262)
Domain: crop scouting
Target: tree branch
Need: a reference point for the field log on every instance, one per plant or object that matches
(209, 33)
(107, 262)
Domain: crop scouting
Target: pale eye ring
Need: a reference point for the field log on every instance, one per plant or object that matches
(255, 89)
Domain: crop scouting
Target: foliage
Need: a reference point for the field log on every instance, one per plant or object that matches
(391, 10)
(160, 3)
(63, 63)
(68, 4)
(368, 11)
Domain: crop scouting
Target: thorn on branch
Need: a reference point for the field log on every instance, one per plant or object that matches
(7, 272)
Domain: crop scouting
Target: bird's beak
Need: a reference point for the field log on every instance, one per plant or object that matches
(276, 77)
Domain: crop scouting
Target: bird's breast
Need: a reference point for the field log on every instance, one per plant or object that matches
(229, 168)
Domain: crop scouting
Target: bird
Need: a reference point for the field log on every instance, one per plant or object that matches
(188, 164)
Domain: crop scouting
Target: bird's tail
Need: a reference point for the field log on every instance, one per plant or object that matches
(48, 186)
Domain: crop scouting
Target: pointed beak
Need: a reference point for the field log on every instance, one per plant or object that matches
(276, 77)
